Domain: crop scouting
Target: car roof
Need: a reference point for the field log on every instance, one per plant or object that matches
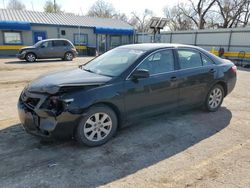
(55, 39)
(154, 46)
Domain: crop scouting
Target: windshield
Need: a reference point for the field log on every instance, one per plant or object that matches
(38, 43)
(113, 62)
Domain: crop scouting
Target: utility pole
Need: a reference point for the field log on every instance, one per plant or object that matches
(32, 6)
(55, 6)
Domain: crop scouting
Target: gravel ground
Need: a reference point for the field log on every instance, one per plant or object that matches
(189, 149)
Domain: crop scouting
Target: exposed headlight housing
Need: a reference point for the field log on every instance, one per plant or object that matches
(51, 89)
(23, 52)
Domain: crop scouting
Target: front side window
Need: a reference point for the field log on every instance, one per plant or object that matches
(189, 59)
(47, 44)
(113, 62)
(80, 39)
(12, 38)
(159, 62)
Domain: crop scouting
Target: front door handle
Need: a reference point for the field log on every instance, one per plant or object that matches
(173, 78)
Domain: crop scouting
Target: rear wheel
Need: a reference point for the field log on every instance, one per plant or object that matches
(68, 56)
(97, 127)
(214, 98)
(30, 57)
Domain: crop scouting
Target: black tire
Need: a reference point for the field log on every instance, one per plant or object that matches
(210, 99)
(30, 57)
(83, 137)
(68, 56)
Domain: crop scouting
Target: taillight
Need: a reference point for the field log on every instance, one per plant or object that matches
(234, 69)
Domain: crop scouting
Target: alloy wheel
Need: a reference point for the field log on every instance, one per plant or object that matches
(97, 127)
(69, 56)
(215, 98)
(31, 57)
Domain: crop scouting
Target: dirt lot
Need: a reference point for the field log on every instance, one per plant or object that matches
(191, 149)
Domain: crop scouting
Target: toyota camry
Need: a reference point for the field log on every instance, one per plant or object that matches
(130, 82)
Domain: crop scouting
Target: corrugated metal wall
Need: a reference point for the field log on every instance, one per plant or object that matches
(230, 39)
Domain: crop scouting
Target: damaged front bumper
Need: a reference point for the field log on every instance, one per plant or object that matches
(43, 122)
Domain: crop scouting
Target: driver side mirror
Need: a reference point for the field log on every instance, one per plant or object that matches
(140, 73)
(42, 46)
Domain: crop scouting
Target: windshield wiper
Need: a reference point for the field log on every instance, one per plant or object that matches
(88, 70)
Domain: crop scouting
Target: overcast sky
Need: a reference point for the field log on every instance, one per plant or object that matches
(82, 6)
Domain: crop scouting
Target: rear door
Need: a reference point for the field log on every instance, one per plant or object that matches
(195, 75)
(157, 93)
(59, 48)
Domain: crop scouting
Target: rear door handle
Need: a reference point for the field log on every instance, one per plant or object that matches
(173, 78)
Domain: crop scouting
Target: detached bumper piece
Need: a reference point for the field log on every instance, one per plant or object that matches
(42, 122)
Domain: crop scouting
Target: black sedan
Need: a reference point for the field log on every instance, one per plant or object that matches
(124, 84)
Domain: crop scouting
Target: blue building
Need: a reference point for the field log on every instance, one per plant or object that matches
(24, 28)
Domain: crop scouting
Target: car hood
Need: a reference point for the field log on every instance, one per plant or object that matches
(52, 82)
(27, 48)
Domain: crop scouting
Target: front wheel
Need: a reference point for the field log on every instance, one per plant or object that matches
(214, 98)
(97, 127)
(30, 57)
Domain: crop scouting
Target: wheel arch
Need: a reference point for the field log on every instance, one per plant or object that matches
(113, 107)
(224, 85)
(68, 51)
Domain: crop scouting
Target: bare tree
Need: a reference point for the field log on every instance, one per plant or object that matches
(121, 16)
(233, 12)
(197, 12)
(140, 21)
(102, 9)
(177, 20)
(51, 7)
(15, 4)
(246, 14)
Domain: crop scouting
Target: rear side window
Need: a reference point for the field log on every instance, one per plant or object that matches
(159, 62)
(60, 43)
(189, 59)
(206, 61)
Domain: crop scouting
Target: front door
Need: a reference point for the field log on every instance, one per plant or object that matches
(101, 40)
(39, 35)
(115, 41)
(45, 50)
(157, 93)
